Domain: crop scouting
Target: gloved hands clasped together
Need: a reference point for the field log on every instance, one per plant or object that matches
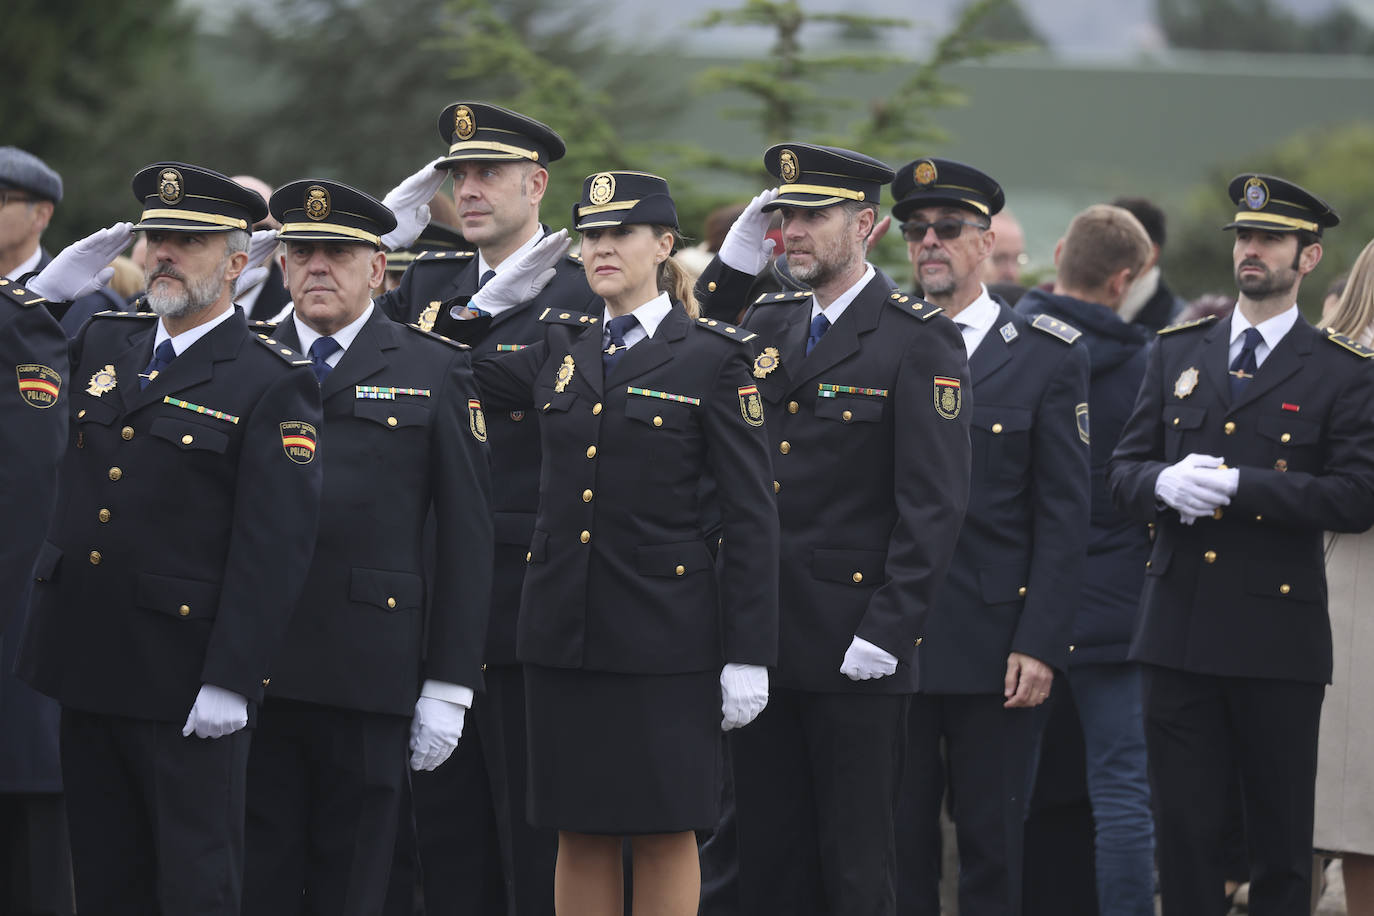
(1196, 486)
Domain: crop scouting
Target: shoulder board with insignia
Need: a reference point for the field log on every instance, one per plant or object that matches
(555, 316)
(259, 325)
(439, 337)
(1185, 325)
(1056, 328)
(18, 293)
(913, 305)
(116, 313)
(1354, 346)
(791, 295)
(426, 256)
(574, 256)
(283, 352)
(726, 330)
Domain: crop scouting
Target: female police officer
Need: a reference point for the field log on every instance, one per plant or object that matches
(654, 458)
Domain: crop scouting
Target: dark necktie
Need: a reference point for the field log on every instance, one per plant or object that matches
(616, 329)
(162, 357)
(819, 325)
(469, 310)
(485, 278)
(1244, 366)
(320, 351)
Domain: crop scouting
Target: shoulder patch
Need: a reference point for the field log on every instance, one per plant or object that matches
(914, 306)
(439, 337)
(1347, 343)
(726, 330)
(16, 292)
(791, 295)
(1185, 325)
(555, 316)
(1056, 328)
(283, 352)
(447, 255)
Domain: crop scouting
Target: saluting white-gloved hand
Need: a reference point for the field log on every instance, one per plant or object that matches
(743, 694)
(1195, 486)
(434, 731)
(746, 247)
(261, 244)
(217, 712)
(409, 200)
(864, 661)
(83, 267)
(526, 278)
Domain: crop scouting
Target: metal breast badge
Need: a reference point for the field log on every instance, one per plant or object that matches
(1187, 381)
(565, 374)
(102, 381)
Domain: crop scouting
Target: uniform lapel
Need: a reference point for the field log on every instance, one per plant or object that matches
(363, 357)
(586, 354)
(790, 343)
(1286, 359)
(842, 340)
(131, 362)
(193, 367)
(652, 351)
(994, 350)
(1216, 358)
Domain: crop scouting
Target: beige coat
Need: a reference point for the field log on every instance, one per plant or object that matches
(1345, 764)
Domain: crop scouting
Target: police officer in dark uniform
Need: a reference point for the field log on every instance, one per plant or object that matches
(186, 513)
(434, 237)
(1251, 436)
(1000, 626)
(498, 160)
(362, 667)
(865, 391)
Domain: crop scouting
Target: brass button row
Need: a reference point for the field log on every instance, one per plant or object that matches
(586, 496)
(104, 515)
(585, 536)
(596, 409)
(591, 451)
(116, 473)
(785, 446)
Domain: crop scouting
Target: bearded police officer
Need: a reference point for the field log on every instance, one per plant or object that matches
(1250, 437)
(186, 513)
(362, 666)
(1000, 626)
(865, 392)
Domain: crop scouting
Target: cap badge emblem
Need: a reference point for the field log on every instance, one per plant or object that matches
(1256, 194)
(316, 202)
(925, 173)
(602, 189)
(787, 165)
(464, 124)
(169, 187)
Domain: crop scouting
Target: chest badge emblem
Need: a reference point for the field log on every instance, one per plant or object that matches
(102, 381)
(565, 374)
(1187, 381)
(765, 362)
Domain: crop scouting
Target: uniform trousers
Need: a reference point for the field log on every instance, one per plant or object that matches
(324, 791)
(988, 766)
(156, 819)
(35, 861)
(816, 781)
(1199, 730)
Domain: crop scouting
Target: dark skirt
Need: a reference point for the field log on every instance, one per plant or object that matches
(623, 754)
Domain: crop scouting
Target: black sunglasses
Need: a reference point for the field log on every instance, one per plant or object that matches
(946, 229)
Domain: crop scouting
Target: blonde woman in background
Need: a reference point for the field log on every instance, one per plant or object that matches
(1344, 822)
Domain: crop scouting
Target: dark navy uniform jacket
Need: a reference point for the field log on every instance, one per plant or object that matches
(184, 524)
(1244, 594)
(621, 576)
(870, 447)
(436, 279)
(1017, 571)
(359, 638)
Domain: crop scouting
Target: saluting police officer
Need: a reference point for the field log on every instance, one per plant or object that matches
(362, 666)
(1000, 625)
(186, 514)
(865, 390)
(1250, 437)
(499, 161)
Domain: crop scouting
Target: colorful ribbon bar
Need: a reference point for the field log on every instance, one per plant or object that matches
(386, 393)
(510, 348)
(830, 391)
(187, 405)
(664, 396)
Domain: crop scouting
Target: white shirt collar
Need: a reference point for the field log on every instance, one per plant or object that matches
(834, 310)
(647, 317)
(28, 264)
(344, 336)
(1271, 329)
(183, 340)
(977, 319)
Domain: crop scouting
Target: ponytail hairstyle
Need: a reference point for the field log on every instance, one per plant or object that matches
(673, 279)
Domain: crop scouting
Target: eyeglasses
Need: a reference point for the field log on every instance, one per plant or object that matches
(16, 196)
(946, 229)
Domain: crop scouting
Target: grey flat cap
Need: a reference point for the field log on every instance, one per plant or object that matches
(26, 172)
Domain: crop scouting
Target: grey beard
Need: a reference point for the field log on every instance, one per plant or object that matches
(195, 296)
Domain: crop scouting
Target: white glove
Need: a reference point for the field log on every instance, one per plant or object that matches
(743, 694)
(1194, 487)
(434, 731)
(217, 712)
(409, 200)
(249, 279)
(864, 661)
(523, 280)
(260, 247)
(746, 247)
(83, 267)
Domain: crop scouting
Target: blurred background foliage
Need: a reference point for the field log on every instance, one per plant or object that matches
(351, 89)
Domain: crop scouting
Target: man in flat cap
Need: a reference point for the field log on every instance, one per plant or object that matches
(1251, 436)
(1000, 625)
(186, 513)
(363, 670)
(498, 160)
(864, 394)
